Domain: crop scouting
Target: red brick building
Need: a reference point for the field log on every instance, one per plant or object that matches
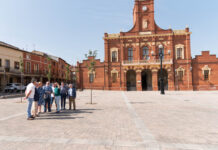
(36, 65)
(132, 58)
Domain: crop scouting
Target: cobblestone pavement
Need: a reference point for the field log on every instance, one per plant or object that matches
(117, 121)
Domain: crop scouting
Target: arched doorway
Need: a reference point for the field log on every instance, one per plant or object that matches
(146, 80)
(165, 77)
(131, 80)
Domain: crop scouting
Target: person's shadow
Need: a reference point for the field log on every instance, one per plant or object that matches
(65, 114)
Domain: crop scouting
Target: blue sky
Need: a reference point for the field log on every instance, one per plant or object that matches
(69, 28)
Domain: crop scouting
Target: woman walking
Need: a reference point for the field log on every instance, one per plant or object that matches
(41, 97)
(57, 96)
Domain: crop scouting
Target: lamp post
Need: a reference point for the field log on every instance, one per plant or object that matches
(5, 82)
(161, 56)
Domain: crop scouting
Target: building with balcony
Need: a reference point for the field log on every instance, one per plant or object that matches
(132, 59)
(38, 65)
(10, 57)
(35, 64)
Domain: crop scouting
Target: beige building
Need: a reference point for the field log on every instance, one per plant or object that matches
(10, 57)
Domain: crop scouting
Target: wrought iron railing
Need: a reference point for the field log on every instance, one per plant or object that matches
(146, 62)
(9, 70)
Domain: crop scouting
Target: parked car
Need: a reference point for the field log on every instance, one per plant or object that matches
(14, 87)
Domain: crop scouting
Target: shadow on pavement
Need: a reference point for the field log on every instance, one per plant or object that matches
(65, 114)
(57, 118)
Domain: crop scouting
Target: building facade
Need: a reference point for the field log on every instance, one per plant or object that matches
(35, 64)
(132, 59)
(10, 57)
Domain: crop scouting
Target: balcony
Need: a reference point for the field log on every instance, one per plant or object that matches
(147, 62)
(9, 70)
(34, 72)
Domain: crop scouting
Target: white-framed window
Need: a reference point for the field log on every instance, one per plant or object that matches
(130, 54)
(28, 56)
(180, 73)
(180, 51)
(28, 67)
(7, 63)
(114, 75)
(145, 53)
(114, 54)
(206, 75)
(16, 65)
(36, 68)
(206, 71)
(91, 76)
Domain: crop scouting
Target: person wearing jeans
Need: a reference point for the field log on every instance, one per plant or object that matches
(29, 108)
(35, 102)
(30, 92)
(48, 92)
(57, 96)
(63, 95)
(72, 96)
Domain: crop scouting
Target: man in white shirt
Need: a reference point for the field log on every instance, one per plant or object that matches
(30, 92)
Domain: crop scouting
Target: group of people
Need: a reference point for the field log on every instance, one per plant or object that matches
(39, 95)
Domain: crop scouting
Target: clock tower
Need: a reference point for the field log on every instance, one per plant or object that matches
(143, 16)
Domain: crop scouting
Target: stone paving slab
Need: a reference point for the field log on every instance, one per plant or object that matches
(117, 121)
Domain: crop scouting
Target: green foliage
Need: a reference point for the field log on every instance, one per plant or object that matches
(91, 56)
(21, 65)
(49, 69)
(67, 72)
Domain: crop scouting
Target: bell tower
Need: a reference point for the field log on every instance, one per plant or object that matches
(143, 16)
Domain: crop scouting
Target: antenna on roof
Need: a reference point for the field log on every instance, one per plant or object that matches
(27, 47)
(34, 47)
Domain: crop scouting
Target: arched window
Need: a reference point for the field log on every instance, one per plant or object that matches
(206, 72)
(114, 56)
(91, 76)
(145, 53)
(180, 73)
(180, 51)
(114, 75)
(130, 54)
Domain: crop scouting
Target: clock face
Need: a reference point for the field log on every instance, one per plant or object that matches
(144, 8)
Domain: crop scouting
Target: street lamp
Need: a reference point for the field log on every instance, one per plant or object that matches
(161, 56)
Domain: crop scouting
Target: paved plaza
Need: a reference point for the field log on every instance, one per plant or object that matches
(117, 121)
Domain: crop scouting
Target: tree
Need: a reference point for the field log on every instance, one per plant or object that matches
(91, 56)
(49, 69)
(21, 76)
(67, 72)
(75, 71)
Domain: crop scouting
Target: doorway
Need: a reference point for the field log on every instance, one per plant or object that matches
(165, 77)
(146, 77)
(131, 80)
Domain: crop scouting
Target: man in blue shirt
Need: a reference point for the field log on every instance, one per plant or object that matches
(64, 93)
(72, 96)
(48, 91)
